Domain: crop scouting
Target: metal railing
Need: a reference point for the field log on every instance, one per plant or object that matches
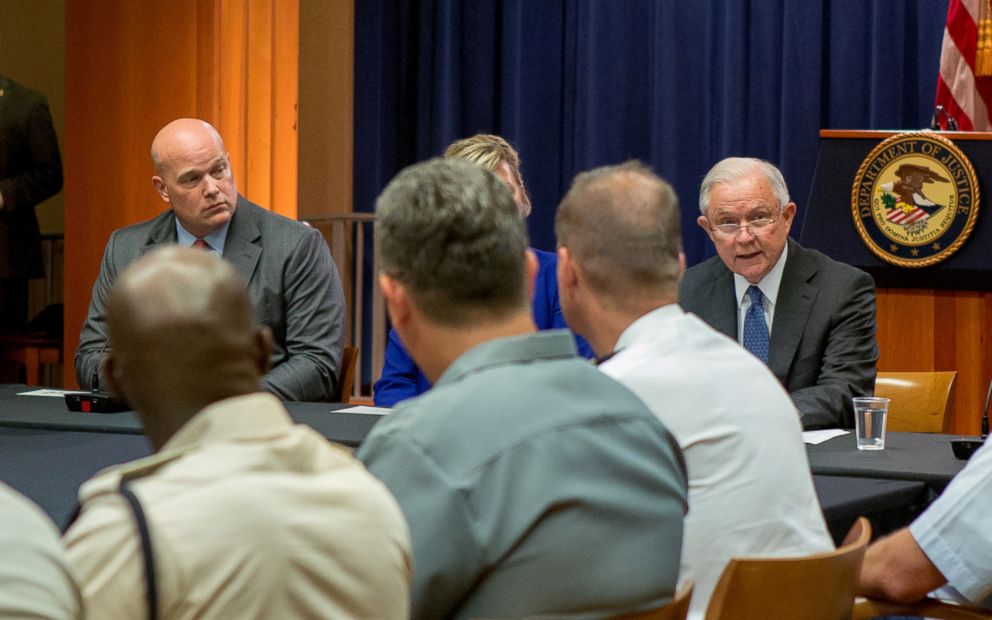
(349, 237)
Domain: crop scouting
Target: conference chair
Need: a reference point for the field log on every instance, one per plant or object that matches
(920, 400)
(927, 608)
(676, 609)
(349, 360)
(814, 587)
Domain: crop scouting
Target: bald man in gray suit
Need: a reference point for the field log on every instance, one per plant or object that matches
(294, 285)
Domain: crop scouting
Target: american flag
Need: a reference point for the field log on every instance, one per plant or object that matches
(964, 86)
(899, 216)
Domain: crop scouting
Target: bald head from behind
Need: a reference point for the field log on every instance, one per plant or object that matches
(619, 250)
(182, 334)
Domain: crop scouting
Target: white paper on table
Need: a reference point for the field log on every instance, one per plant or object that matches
(817, 437)
(365, 410)
(49, 392)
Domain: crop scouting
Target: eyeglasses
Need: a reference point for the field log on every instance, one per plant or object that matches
(756, 227)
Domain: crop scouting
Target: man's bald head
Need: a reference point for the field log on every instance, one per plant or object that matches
(193, 175)
(181, 334)
(179, 136)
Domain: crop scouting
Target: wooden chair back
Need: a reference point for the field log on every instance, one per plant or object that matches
(676, 609)
(814, 587)
(349, 360)
(927, 608)
(921, 401)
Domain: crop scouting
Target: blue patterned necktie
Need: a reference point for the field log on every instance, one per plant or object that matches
(755, 328)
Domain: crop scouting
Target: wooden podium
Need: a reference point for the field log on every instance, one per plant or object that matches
(930, 318)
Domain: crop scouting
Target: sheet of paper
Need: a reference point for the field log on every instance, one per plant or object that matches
(365, 410)
(48, 392)
(815, 437)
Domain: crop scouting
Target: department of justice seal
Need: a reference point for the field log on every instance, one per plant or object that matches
(915, 199)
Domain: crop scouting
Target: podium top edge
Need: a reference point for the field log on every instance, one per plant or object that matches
(881, 134)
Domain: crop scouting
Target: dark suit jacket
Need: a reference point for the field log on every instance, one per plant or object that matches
(294, 287)
(822, 347)
(30, 172)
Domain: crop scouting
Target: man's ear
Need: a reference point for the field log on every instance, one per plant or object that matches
(789, 214)
(161, 188)
(705, 225)
(264, 344)
(682, 263)
(567, 276)
(397, 300)
(531, 267)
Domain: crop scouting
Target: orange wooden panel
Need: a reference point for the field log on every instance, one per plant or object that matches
(131, 67)
(921, 330)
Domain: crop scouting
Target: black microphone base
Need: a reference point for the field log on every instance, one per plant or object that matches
(94, 402)
(964, 448)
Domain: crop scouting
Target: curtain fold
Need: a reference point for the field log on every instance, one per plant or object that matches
(575, 84)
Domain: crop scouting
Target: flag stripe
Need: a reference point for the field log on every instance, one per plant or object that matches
(965, 97)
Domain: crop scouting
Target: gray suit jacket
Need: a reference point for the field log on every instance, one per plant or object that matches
(822, 347)
(294, 287)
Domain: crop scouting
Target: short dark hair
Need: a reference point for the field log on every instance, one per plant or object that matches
(451, 233)
(622, 224)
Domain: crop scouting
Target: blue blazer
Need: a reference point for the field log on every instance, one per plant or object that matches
(401, 379)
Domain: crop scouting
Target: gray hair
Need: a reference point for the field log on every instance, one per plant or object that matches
(623, 225)
(451, 233)
(737, 168)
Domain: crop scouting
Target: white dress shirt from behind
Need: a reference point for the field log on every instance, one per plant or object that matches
(250, 516)
(34, 579)
(750, 489)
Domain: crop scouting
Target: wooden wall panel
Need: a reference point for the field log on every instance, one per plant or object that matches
(131, 67)
(924, 329)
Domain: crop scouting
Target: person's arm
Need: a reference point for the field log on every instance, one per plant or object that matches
(314, 305)
(401, 379)
(848, 365)
(42, 176)
(896, 569)
(447, 559)
(94, 334)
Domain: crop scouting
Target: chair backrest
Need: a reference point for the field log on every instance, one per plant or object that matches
(814, 587)
(927, 608)
(676, 609)
(349, 360)
(920, 400)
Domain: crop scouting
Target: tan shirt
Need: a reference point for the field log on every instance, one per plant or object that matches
(34, 580)
(250, 517)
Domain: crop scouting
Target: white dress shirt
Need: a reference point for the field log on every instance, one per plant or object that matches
(750, 489)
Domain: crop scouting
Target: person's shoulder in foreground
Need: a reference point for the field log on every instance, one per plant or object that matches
(248, 514)
(822, 345)
(293, 283)
(34, 579)
(523, 461)
(948, 548)
(750, 492)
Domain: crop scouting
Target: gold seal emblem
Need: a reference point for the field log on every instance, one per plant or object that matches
(915, 199)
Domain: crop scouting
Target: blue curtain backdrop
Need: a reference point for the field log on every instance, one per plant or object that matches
(679, 84)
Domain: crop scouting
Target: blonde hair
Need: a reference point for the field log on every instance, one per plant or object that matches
(488, 151)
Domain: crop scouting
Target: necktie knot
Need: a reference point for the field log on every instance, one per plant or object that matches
(755, 294)
(200, 244)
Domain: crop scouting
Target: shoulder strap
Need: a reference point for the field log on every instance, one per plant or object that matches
(151, 591)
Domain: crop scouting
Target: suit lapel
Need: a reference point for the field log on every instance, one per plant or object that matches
(792, 309)
(163, 232)
(722, 313)
(241, 247)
